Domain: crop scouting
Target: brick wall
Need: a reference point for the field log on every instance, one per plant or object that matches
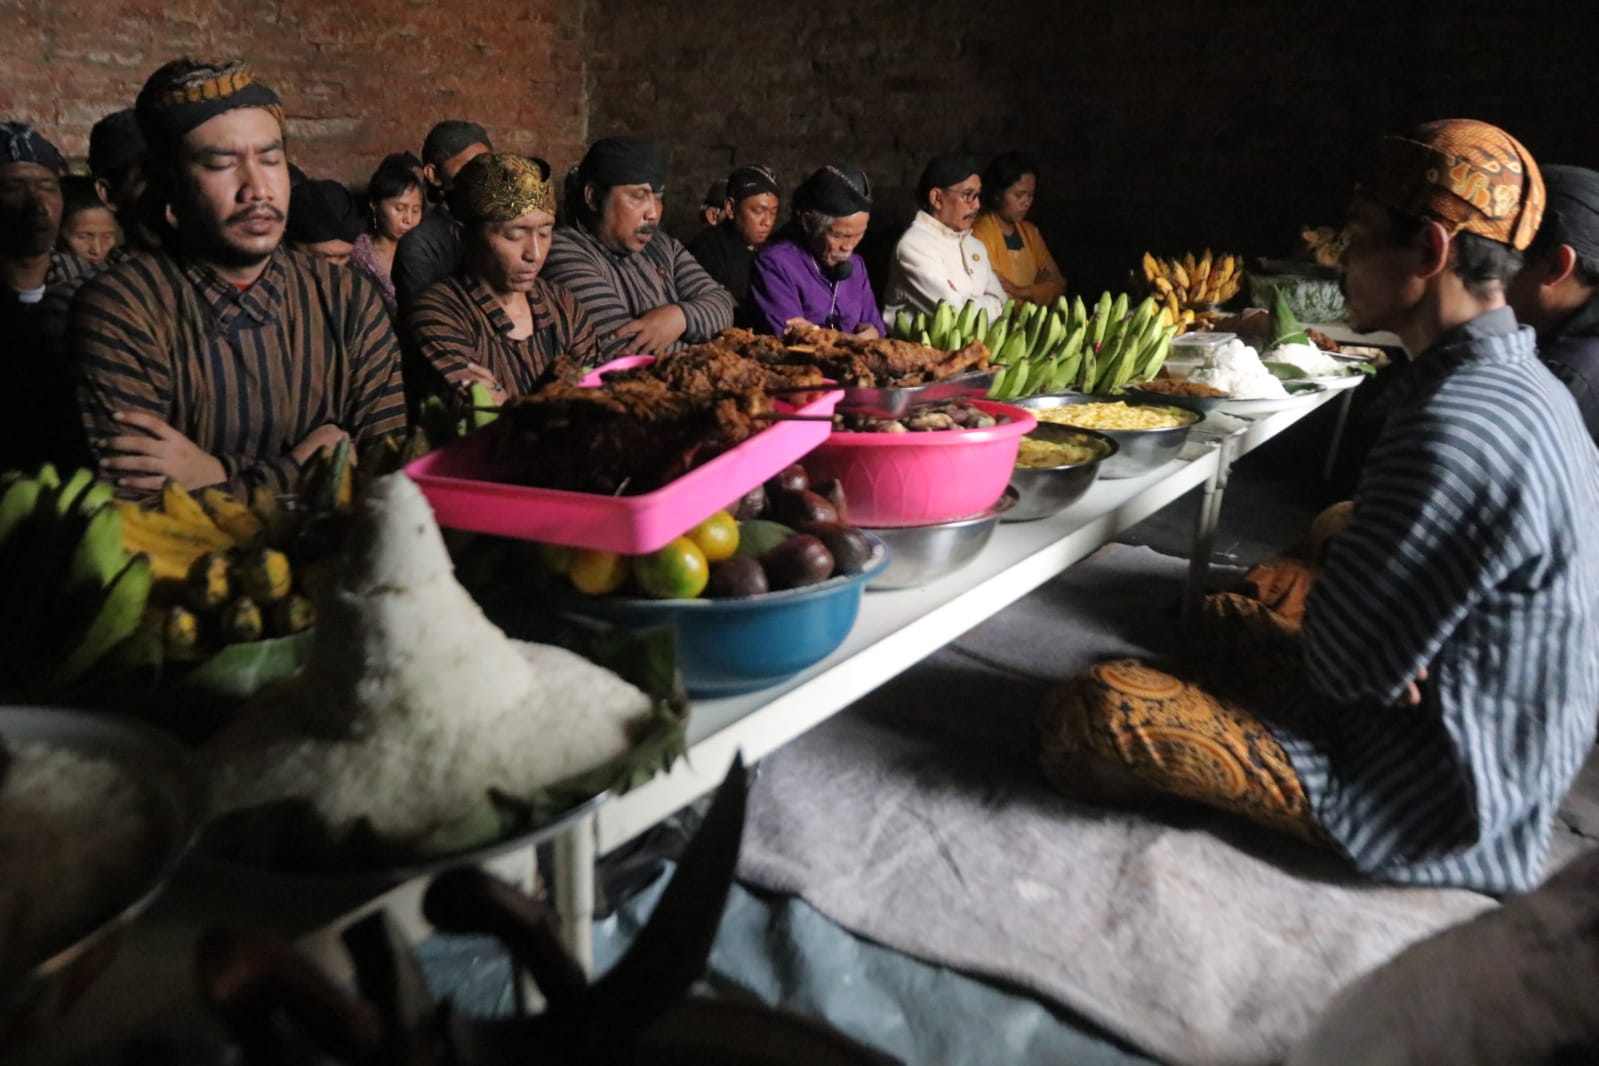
(1163, 125)
(359, 78)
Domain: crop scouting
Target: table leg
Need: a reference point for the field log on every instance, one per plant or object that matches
(1337, 435)
(574, 890)
(521, 868)
(1205, 523)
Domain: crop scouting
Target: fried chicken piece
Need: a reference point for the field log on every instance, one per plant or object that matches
(881, 362)
(708, 368)
(625, 437)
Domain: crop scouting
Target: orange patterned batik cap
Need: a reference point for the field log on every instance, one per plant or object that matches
(1469, 175)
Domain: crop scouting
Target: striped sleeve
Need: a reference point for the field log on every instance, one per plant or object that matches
(575, 265)
(707, 304)
(440, 333)
(574, 327)
(118, 361)
(1427, 540)
(376, 405)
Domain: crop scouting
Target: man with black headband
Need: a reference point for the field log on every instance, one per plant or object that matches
(938, 259)
(713, 209)
(1557, 290)
(431, 251)
(34, 278)
(324, 221)
(116, 148)
(727, 249)
(810, 274)
(495, 321)
(225, 358)
(643, 289)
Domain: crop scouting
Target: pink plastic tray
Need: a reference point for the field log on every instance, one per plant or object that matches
(458, 481)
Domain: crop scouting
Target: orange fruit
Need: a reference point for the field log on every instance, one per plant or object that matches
(717, 536)
(596, 573)
(678, 571)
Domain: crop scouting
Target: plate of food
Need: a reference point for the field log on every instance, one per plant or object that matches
(420, 735)
(96, 812)
(1308, 363)
(886, 378)
(627, 458)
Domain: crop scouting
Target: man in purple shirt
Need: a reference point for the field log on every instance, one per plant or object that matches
(809, 274)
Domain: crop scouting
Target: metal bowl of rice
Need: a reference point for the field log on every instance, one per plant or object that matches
(1140, 449)
(96, 812)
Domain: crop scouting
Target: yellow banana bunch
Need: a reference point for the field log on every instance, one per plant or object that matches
(1189, 282)
(232, 516)
(174, 536)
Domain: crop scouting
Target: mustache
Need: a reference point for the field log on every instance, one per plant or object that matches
(256, 212)
(647, 230)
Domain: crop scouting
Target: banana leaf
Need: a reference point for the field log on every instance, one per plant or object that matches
(1288, 330)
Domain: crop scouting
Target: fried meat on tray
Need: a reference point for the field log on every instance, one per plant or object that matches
(623, 438)
(712, 368)
(881, 362)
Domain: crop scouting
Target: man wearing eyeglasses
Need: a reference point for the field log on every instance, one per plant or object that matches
(938, 259)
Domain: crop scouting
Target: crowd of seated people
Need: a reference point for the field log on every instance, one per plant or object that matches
(192, 310)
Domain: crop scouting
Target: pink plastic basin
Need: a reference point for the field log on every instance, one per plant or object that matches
(913, 479)
(461, 483)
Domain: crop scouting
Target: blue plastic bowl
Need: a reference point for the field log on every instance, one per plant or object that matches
(728, 647)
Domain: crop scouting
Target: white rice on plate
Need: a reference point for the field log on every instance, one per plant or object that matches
(76, 838)
(1235, 369)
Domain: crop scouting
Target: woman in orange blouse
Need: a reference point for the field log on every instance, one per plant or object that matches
(1015, 249)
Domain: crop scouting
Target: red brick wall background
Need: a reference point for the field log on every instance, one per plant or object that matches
(359, 78)
(1159, 124)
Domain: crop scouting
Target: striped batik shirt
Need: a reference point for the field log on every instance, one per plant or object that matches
(1471, 553)
(458, 321)
(246, 375)
(615, 289)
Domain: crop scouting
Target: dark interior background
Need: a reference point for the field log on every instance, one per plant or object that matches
(1158, 125)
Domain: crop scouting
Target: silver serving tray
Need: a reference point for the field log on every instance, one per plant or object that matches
(894, 402)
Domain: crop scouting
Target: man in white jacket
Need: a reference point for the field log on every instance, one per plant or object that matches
(938, 258)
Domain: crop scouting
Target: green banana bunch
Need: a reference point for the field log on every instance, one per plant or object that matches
(73, 593)
(1068, 346)
(950, 329)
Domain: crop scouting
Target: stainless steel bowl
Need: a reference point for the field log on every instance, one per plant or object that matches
(48, 988)
(918, 555)
(1043, 491)
(1139, 450)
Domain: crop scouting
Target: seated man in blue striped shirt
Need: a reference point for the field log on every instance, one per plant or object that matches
(1428, 717)
(644, 291)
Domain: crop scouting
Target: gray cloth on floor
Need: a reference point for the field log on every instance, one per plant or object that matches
(919, 820)
(785, 953)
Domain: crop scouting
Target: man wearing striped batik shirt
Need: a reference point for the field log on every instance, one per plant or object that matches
(1440, 697)
(643, 290)
(225, 358)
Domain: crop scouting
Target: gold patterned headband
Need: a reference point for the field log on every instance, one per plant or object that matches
(500, 187)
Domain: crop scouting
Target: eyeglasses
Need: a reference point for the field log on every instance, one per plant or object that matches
(971, 196)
